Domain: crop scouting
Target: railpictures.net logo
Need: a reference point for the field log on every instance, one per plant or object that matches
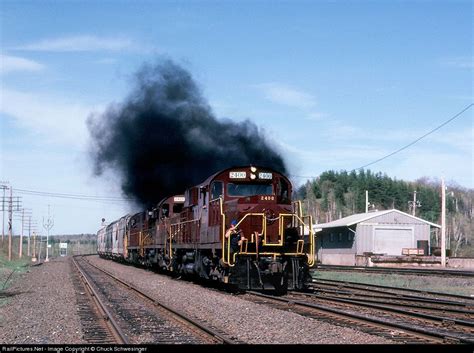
(73, 349)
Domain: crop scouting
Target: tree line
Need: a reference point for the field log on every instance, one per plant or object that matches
(337, 194)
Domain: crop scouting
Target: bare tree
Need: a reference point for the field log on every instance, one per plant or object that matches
(458, 236)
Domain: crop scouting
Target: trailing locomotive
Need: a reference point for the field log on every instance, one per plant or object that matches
(238, 227)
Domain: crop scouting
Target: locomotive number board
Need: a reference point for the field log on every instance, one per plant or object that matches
(265, 175)
(237, 175)
(243, 175)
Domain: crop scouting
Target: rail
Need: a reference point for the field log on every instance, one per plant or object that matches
(407, 328)
(214, 335)
(111, 324)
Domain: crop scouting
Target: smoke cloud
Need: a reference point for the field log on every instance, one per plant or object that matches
(164, 137)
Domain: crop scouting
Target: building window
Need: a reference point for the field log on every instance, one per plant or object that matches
(350, 236)
(340, 237)
(331, 237)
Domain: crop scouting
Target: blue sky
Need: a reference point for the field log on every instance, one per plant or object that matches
(334, 85)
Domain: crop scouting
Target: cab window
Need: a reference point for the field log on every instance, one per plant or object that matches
(282, 191)
(217, 189)
(165, 210)
(249, 189)
(177, 208)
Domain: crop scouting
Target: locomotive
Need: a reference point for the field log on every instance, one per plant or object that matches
(195, 233)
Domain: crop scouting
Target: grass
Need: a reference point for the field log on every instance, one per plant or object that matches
(453, 285)
(10, 270)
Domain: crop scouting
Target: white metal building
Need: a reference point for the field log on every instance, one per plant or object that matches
(382, 232)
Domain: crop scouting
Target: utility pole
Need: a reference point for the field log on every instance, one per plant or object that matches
(29, 234)
(10, 214)
(24, 213)
(48, 226)
(31, 229)
(414, 204)
(11, 205)
(40, 245)
(366, 201)
(4, 187)
(443, 224)
(20, 249)
(33, 259)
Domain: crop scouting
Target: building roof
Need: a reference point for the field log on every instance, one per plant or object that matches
(362, 217)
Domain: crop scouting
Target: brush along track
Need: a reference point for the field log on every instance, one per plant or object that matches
(451, 307)
(144, 319)
(400, 327)
(98, 325)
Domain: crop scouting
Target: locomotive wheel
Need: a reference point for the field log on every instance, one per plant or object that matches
(280, 282)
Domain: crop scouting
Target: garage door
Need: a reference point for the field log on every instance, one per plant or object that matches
(390, 241)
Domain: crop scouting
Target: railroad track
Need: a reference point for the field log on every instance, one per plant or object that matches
(406, 271)
(452, 307)
(405, 292)
(97, 323)
(144, 319)
(401, 326)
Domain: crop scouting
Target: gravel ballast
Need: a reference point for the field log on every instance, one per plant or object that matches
(248, 322)
(45, 310)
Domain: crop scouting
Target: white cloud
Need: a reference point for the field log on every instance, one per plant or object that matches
(106, 61)
(55, 118)
(286, 95)
(15, 63)
(315, 116)
(79, 43)
(460, 62)
(432, 159)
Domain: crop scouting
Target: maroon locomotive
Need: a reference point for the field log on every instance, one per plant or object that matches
(238, 227)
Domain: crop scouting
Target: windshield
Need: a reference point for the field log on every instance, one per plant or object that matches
(249, 189)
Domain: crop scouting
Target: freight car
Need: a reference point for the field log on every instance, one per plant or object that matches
(238, 227)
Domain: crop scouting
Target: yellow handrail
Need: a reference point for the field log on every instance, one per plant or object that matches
(241, 220)
(299, 246)
(229, 260)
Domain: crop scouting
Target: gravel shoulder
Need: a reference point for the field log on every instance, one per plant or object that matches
(43, 310)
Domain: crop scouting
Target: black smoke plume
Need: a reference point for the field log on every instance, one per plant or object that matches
(164, 138)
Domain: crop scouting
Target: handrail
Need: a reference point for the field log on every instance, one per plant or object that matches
(264, 230)
(299, 249)
(244, 244)
(299, 246)
(141, 241)
(227, 257)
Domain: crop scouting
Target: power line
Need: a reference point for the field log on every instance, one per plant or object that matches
(404, 147)
(71, 196)
(119, 199)
(418, 139)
